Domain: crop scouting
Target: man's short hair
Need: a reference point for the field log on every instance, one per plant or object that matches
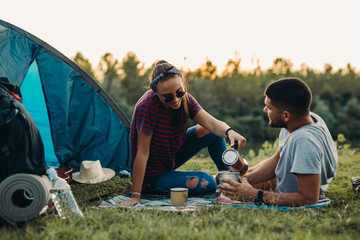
(290, 94)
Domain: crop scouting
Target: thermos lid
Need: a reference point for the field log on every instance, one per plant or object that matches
(230, 156)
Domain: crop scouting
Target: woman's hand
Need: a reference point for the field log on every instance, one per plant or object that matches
(131, 202)
(235, 137)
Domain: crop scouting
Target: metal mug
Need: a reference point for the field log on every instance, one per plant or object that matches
(228, 175)
(233, 160)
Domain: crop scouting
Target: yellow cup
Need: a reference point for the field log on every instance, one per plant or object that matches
(179, 196)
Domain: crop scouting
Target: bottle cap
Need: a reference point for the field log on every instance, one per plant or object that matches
(52, 174)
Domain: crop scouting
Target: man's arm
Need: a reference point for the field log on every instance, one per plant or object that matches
(264, 170)
(308, 191)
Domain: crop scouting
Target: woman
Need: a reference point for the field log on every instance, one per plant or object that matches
(160, 141)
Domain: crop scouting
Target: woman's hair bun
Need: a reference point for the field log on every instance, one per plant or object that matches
(161, 62)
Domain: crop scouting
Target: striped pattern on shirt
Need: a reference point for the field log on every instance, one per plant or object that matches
(151, 117)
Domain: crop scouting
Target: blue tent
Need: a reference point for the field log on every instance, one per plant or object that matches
(76, 118)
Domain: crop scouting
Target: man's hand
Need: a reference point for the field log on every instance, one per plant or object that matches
(131, 202)
(241, 190)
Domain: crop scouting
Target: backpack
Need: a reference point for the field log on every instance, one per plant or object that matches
(21, 146)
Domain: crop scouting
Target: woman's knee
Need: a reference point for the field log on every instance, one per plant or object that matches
(201, 131)
(201, 180)
(212, 138)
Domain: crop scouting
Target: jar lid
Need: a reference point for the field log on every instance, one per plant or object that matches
(230, 156)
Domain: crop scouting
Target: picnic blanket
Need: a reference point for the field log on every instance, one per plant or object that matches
(194, 203)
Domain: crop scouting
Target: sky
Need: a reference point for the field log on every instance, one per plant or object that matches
(187, 32)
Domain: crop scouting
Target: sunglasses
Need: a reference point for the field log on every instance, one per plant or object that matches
(171, 97)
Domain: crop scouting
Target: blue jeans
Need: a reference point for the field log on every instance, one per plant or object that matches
(198, 183)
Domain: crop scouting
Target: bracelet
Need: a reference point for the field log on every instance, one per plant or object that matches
(135, 193)
(226, 133)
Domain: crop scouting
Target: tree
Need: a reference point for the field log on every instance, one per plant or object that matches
(281, 66)
(109, 66)
(349, 123)
(201, 90)
(324, 111)
(232, 67)
(133, 84)
(84, 63)
(208, 70)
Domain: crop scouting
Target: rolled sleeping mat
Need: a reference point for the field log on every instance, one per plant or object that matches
(23, 196)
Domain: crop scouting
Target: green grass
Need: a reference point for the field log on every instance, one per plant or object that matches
(341, 220)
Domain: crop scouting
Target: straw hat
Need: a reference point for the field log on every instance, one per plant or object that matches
(92, 172)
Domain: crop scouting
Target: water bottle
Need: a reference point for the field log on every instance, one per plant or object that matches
(62, 196)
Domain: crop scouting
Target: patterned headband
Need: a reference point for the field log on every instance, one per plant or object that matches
(162, 75)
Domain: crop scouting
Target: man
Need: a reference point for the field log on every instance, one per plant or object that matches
(306, 159)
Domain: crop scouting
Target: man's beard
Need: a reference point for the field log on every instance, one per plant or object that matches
(278, 124)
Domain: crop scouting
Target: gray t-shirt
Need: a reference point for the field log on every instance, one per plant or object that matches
(308, 150)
